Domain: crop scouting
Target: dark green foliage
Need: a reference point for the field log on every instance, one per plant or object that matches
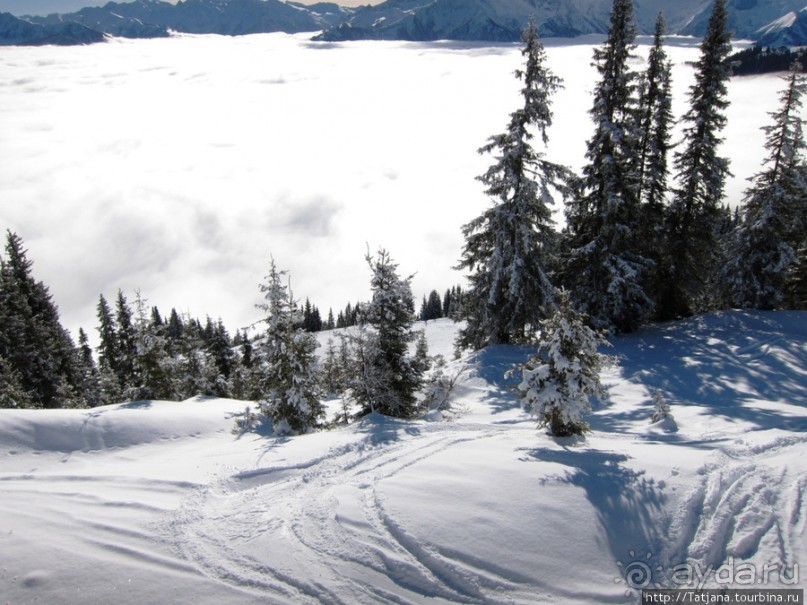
(431, 308)
(694, 214)
(656, 120)
(40, 357)
(605, 267)
(12, 393)
(758, 60)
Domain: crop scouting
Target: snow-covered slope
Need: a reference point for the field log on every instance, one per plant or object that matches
(159, 502)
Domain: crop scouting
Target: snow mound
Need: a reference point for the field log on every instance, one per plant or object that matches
(114, 427)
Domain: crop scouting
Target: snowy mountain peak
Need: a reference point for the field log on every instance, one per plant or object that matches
(788, 30)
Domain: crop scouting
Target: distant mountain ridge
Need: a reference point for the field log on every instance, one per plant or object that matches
(774, 21)
(226, 17)
(14, 31)
(503, 20)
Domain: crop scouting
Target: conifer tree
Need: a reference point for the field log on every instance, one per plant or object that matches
(605, 266)
(796, 284)
(384, 377)
(220, 350)
(656, 120)
(108, 349)
(32, 339)
(151, 373)
(12, 393)
(432, 307)
(694, 213)
(560, 380)
(125, 334)
(289, 386)
(90, 377)
(774, 203)
(332, 370)
(508, 248)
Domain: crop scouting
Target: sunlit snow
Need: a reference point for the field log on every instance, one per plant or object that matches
(158, 502)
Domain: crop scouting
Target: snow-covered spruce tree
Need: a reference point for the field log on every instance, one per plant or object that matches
(152, 366)
(604, 265)
(508, 248)
(32, 339)
(560, 380)
(384, 377)
(90, 377)
(773, 205)
(691, 252)
(661, 409)
(125, 334)
(108, 350)
(289, 385)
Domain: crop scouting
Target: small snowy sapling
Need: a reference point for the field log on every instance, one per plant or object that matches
(661, 408)
(559, 381)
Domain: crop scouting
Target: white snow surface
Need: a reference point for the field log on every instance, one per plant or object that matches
(177, 166)
(158, 502)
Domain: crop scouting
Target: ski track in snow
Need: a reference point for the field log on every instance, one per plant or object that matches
(745, 503)
(328, 516)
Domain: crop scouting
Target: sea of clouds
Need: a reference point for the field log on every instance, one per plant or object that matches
(178, 166)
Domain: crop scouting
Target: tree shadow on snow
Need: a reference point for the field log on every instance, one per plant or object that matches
(724, 362)
(492, 364)
(628, 504)
(379, 430)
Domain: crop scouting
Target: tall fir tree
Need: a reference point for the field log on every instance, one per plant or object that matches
(656, 120)
(290, 391)
(125, 333)
(508, 248)
(109, 363)
(691, 251)
(604, 265)
(90, 377)
(774, 205)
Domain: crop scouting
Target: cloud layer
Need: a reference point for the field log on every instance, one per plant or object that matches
(178, 166)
